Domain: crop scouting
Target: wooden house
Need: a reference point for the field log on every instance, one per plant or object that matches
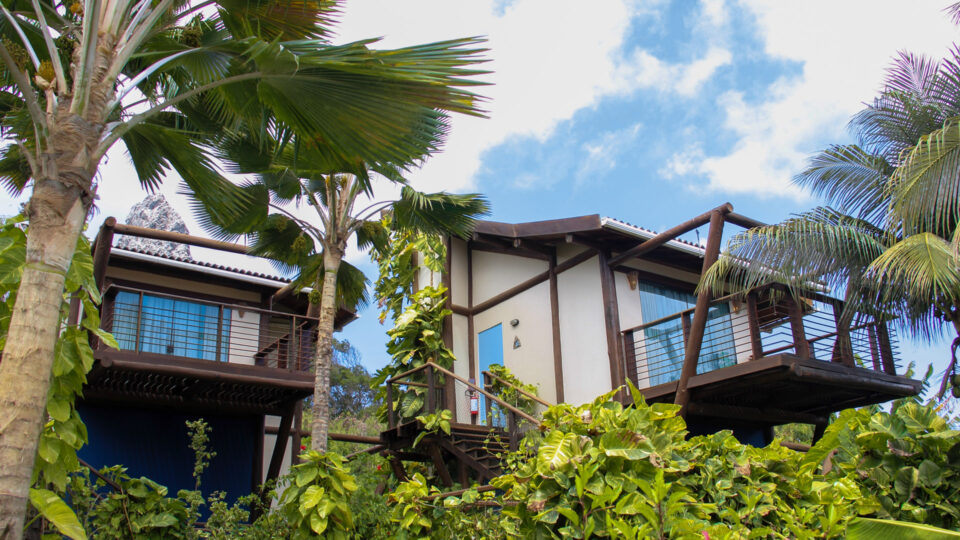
(197, 340)
(581, 305)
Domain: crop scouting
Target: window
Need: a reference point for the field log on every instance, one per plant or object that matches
(170, 326)
(663, 342)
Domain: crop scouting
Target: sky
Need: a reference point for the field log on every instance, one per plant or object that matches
(647, 111)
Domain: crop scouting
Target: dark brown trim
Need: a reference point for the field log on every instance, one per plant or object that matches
(750, 414)
(460, 310)
(692, 350)
(180, 238)
(439, 466)
(471, 338)
(280, 446)
(532, 282)
(206, 369)
(555, 328)
(886, 350)
(449, 389)
(540, 228)
(484, 245)
(753, 322)
(257, 475)
(296, 431)
(743, 221)
(198, 296)
(611, 319)
(101, 250)
(671, 233)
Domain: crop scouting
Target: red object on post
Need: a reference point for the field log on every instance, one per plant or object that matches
(474, 404)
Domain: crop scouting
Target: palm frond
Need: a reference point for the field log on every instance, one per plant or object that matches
(849, 177)
(439, 213)
(921, 266)
(925, 191)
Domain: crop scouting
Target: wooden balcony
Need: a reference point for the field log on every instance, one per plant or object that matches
(770, 359)
(195, 353)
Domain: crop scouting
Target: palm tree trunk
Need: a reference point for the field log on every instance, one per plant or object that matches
(56, 211)
(332, 255)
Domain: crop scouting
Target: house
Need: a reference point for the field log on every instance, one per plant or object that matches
(197, 340)
(579, 306)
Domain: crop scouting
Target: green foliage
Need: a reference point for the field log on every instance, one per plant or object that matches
(199, 432)
(908, 460)
(52, 508)
(419, 513)
(398, 264)
(316, 502)
(139, 509)
(884, 529)
(433, 423)
(509, 392)
(350, 391)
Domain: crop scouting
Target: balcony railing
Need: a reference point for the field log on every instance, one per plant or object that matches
(153, 323)
(767, 322)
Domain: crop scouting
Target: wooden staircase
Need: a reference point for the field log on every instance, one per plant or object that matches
(470, 452)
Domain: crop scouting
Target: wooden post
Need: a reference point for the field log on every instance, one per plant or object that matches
(216, 358)
(431, 392)
(101, 251)
(512, 431)
(842, 347)
(391, 414)
(698, 326)
(486, 401)
(297, 433)
(471, 331)
(447, 279)
(137, 346)
(800, 343)
(555, 327)
(886, 350)
(685, 324)
(611, 318)
(753, 322)
(630, 352)
(280, 447)
(440, 465)
(874, 350)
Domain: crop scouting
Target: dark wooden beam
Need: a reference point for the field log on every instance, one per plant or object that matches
(257, 476)
(692, 351)
(670, 234)
(101, 250)
(471, 339)
(886, 350)
(744, 221)
(555, 329)
(750, 414)
(280, 447)
(439, 465)
(347, 437)
(272, 377)
(506, 248)
(611, 320)
(450, 400)
(180, 238)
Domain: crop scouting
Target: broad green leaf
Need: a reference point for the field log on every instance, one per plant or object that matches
(882, 529)
(54, 510)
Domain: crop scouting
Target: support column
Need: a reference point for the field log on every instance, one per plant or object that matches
(555, 324)
(611, 318)
(699, 324)
(449, 388)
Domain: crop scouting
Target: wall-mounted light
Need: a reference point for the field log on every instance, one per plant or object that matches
(632, 278)
(514, 323)
(516, 343)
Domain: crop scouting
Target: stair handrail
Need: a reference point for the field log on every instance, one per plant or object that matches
(523, 392)
(492, 397)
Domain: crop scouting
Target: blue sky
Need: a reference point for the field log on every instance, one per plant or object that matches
(648, 111)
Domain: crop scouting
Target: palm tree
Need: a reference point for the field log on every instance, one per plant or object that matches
(303, 216)
(159, 75)
(889, 236)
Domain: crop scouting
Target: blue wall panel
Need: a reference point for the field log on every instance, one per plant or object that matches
(155, 444)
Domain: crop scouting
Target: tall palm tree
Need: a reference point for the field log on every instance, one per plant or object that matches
(159, 75)
(302, 215)
(889, 236)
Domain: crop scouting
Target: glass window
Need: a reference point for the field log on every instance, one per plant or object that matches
(663, 345)
(170, 326)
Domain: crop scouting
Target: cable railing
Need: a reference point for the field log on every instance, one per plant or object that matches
(764, 322)
(149, 322)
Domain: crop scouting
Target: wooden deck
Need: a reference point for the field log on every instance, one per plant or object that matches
(785, 388)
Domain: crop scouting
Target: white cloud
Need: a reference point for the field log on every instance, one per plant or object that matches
(843, 48)
(603, 151)
(550, 59)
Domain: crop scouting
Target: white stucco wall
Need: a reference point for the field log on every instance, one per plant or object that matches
(586, 366)
(458, 272)
(461, 366)
(532, 362)
(494, 273)
(244, 329)
(269, 442)
(741, 331)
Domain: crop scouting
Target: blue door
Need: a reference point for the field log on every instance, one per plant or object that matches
(490, 351)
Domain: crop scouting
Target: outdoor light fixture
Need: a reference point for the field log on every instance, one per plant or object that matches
(514, 323)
